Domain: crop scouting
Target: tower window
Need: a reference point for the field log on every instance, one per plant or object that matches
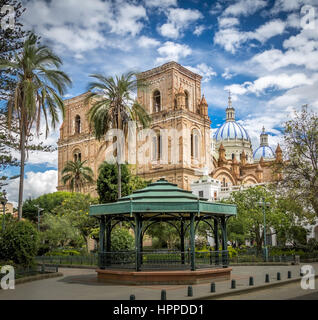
(186, 99)
(201, 194)
(156, 101)
(195, 144)
(156, 148)
(77, 155)
(77, 124)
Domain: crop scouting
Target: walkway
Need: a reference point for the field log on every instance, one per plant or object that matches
(79, 284)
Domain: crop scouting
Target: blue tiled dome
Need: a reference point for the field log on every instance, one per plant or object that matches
(231, 130)
(263, 151)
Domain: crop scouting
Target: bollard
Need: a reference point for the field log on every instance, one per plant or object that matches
(267, 278)
(190, 291)
(163, 295)
(132, 297)
(212, 287)
(278, 275)
(251, 283)
(289, 275)
(233, 284)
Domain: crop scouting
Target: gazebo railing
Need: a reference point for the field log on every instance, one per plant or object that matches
(161, 260)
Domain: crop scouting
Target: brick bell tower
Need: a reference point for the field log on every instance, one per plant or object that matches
(179, 147)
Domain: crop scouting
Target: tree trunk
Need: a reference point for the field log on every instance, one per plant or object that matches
(20, 201)
(119, 181)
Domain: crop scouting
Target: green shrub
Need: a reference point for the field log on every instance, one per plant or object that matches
(19, 243)
(64, 252)
(122, 240)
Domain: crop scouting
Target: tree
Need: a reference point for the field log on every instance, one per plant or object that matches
(19, 243)
(121, 239)
(77, 174)
(108, 179)
(48, 202)
(113, 107)
(300, 172)
(59, 231)
(39, 87)
(75, 209)
(11, 41)
(249, 222)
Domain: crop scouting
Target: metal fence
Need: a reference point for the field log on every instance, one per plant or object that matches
(34, 270)
(88, 260)
(162, 259)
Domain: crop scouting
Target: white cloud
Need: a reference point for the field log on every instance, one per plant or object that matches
(216, 8)
(226, 22)
(278, 81)
(245, 7)
(231, 38)
(227, 74)
(128, 19)
(161, 3)
(198, 30)
(288, 5)
(204, 70)
(85, 26)
(146, 42)
(178, 20)
(171, 51)
(35, 184)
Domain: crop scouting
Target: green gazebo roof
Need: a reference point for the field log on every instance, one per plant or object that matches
(162, 197)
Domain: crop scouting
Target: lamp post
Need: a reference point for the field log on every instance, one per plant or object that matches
(39, 210)
(262, 204)
(3, 201)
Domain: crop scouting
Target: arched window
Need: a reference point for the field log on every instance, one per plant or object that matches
(77, 124)
(175, 103)
(77, 155)
(186, 99)
(156, 101)
(195, 144)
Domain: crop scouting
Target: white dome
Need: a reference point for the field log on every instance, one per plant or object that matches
(231, 130)
(264, 151)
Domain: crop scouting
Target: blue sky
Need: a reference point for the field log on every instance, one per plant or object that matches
(260, 50)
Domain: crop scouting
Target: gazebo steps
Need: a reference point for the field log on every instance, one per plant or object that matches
(163, 277)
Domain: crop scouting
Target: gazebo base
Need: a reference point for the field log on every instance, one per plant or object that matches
(163, 277)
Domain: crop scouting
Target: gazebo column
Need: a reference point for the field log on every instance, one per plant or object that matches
(224, 243)
(216, 240)
(138, 225)
(192, 241)
(102, 242)
(108, 240)
(140, 241)
(182, 241)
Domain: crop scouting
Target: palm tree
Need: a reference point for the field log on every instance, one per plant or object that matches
(39, 87)
(77, 174)
(113, 107)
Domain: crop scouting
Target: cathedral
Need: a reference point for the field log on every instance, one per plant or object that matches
(180, 145)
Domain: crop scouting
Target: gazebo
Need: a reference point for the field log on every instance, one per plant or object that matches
(162, 201)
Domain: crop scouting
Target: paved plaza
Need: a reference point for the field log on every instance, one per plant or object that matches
(77, 284)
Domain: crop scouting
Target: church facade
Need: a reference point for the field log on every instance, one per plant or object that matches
(179, 146)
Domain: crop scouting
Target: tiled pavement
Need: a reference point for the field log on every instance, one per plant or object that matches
(82, 284)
